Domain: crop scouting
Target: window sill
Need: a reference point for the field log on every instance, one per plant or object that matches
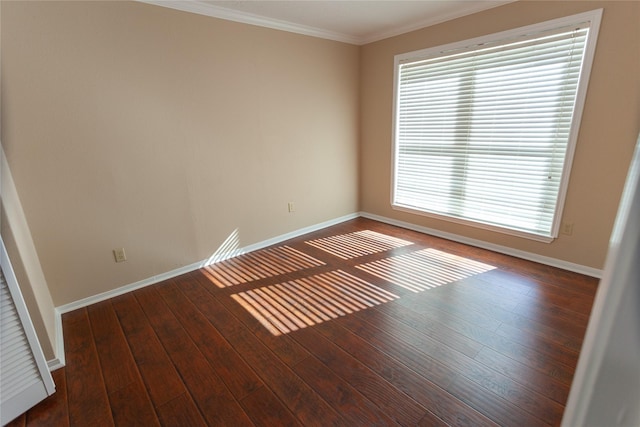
(474, 224)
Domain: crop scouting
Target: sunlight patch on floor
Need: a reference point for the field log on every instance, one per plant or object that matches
(259, 265)
(425, 269)
(359, 243)
(297, 304)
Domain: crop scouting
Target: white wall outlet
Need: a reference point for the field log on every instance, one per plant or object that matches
(566, 228)
(119, 255)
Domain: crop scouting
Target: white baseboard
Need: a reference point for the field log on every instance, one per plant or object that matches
(553, 262)
(59, 360)
(300, 232)
(196, 265)
(54, 364)
(126, 288)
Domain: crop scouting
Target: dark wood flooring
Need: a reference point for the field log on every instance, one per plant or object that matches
(424, 332)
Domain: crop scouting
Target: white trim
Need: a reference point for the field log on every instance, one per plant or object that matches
(208, 9)
(300, 232)
(612, 320)
(55, 364)
(469, 9)
(553, 262)
(593, 17)
(26, 250)
(475, 224)
(60, 355)
(59, 361)
(203, 8)
(27, 394)
(125, 289)
(192, 267)
(25, 318)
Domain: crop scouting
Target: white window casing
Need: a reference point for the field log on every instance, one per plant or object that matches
(485, 129)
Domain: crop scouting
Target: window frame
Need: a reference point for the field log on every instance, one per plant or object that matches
(594, 18)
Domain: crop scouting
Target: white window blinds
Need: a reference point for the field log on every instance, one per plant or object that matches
(483, 133)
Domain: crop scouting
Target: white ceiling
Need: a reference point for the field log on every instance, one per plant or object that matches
(351, 21)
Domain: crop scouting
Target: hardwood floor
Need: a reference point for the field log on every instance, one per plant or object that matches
(358, 324)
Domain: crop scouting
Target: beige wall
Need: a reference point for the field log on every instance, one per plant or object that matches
(609, 130)
(131, 125)
(25, 263)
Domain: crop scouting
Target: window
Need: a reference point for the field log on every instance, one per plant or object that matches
(485, 129)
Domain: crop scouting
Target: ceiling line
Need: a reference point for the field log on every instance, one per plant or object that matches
(207, 9)
(202, 8)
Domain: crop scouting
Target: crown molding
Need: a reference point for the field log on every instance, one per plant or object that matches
(469, 9)
(208, 9)
(202, 8)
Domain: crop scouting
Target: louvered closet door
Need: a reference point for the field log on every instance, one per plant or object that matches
(24, 377)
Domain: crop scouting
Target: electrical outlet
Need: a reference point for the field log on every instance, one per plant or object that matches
(566, 228)
(292, 207)
(119, 255)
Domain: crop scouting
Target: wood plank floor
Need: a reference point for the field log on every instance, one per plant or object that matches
(357, 324)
